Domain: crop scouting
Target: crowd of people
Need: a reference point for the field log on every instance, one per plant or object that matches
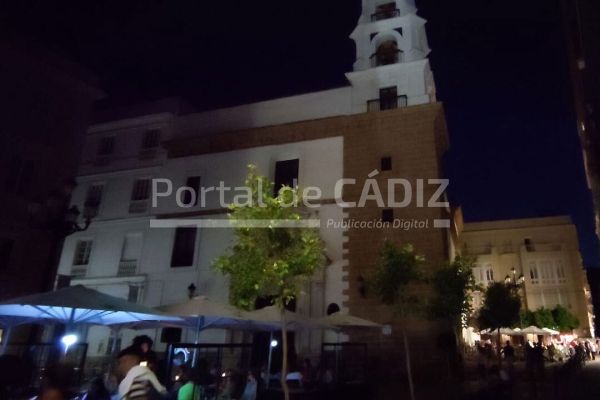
(134, 376)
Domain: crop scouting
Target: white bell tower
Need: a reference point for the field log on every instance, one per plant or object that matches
(391, 68)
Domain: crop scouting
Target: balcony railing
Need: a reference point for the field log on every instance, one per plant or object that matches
(538, 247)
(138, 206)
(387, 14)
(387, 57)
(387, 104)
(79, 271)
(127, 267)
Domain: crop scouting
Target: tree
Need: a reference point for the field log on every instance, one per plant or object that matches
(527, 318)
(500, 308)
(396, 269)
(452, 288)
(270, 261)
(564, 320)
(543, 318)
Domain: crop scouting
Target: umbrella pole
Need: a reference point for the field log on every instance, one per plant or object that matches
(198, 328)
(269, 362)
(5, 338)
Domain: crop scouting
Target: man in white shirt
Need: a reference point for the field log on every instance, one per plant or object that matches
(138, 381)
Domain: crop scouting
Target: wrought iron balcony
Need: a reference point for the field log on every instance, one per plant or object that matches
(385, 14)
(127, 267)
(387, 103)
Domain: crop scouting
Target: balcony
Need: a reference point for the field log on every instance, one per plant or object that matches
(127, 268)
(79, 271)
(541, 247)
(385, 14)
(387, 103)
(386, 57)
(138, 206)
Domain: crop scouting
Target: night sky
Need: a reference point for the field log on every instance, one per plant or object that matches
(500, 69)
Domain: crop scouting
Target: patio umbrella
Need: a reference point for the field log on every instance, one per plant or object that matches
(503, 331)
(534, 330)
(340, 321)
(204, 313)
(79, 305)
(551, 331)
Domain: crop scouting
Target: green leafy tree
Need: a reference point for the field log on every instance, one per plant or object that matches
(272, 261)
(564, 320)
(452, 287)
(543, 318)
(527, 318)
(397, 269)
(500, 309)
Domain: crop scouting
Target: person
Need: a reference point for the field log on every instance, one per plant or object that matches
(97, 390)
(509, 352)
(251, 387)
(137, 381)
(191, 388)
(52, 392)
(308, 374)
(144, 344)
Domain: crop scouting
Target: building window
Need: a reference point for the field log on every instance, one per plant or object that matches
(192, 182)
(106, 146)
(134, 294)
(82, 252)
(150, 143)
(139, 196)
(151, 139)
(534, 273)
(6, 247)
(528, 245)
(183, 247)
(484, 275)
(104, 150)
(386, 163)
(385, 11)
(130, 253)
(286, 174)
(387, 53)
(387, 215)
(560, 272)
(547, 272)
(489, 273)
(93, 197)
(388, 98)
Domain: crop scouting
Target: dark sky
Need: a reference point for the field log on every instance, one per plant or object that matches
(500, 68)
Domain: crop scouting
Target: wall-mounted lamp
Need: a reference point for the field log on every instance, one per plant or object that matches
(191, 290)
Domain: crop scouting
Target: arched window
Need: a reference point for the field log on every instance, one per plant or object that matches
(387, 53)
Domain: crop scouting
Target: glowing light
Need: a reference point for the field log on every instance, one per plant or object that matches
(274, 343)
(69, 340)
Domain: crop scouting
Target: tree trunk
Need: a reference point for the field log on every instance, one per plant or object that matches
(284, 358)
(408, 366)
(499, 343)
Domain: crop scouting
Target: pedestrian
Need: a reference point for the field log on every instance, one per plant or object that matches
(137, 381)
(144, 344)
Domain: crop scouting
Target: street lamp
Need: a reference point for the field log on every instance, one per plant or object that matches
(512, 281)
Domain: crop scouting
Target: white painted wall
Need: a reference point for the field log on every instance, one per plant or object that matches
(321, 165)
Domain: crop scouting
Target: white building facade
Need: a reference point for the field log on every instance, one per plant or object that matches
(120, 254)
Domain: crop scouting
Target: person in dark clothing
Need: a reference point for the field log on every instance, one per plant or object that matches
(144, 344)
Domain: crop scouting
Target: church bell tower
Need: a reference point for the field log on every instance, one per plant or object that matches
(391, 69)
